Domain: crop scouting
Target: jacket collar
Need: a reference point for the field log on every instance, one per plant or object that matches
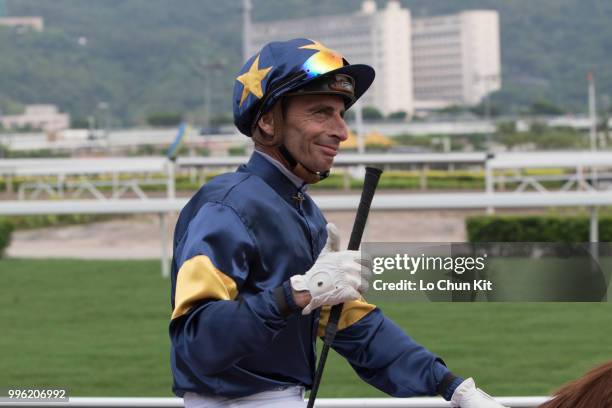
(261, 167)
(298, 182)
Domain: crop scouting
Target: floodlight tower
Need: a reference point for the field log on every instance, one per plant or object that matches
(594, 234)
(592, 112)
(206, 70)
(246, 28)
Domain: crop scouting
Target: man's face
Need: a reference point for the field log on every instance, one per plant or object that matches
(313, 128)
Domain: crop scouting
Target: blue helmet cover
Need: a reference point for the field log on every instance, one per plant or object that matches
(285, 66)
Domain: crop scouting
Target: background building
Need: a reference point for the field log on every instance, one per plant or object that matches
(380, 38)
(44, 117)
(455, 58)
(24, 23)
(424, 63)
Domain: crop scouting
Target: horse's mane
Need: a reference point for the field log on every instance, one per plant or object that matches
(593, 390)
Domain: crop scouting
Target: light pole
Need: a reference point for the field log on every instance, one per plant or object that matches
(605, 109)
(104, 107)
(359, 128)
(206, 70)
(246, 28)
(594, 234)
(592, 112)
(487, 79)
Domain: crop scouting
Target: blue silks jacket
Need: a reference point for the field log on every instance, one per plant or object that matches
(235, 329)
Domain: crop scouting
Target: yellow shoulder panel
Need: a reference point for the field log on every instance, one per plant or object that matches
(352, 312)
(198, 279)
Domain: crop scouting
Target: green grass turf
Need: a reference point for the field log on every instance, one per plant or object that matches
(99, 328)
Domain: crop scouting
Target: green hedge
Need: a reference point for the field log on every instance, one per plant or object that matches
(6, 228)
(535, 228)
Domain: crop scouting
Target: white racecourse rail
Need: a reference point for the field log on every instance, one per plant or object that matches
(327, 202)
(56, 166)
(512, 402)
(350, 159)
(61, 168)
(350, 202)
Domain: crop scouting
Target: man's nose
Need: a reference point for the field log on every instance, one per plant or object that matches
(340, 129)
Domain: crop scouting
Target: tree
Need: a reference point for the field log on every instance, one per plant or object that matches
(506, 127)
(397, 115)
(452, 109)
(371, 113)
(543, 107)
(480, 109)
(539, 128)
(79, 123)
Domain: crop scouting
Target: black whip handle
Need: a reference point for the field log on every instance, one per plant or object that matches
(367, 194)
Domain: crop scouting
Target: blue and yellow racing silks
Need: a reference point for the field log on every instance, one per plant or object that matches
(235, 329)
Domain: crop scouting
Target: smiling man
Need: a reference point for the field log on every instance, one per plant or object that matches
(256, 267)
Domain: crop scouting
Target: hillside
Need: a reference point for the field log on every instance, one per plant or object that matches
(141, 56)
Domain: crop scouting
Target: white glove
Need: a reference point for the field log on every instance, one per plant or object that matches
(333, 239)
(468, 396)
(336, 277)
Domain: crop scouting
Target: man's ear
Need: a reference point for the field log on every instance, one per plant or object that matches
(266, 122)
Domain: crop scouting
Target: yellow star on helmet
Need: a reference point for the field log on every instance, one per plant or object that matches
(325, 59)
(251, 80)
(321, 48)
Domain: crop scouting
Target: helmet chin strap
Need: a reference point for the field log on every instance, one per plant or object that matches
(299, 169)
